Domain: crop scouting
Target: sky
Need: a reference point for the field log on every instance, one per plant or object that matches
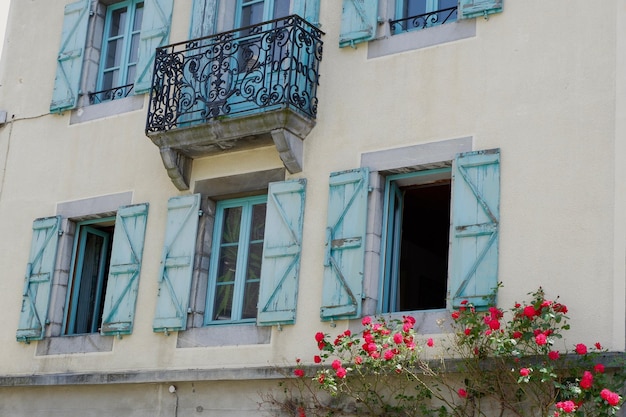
(4, 11)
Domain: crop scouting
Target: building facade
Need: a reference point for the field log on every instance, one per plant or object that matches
(190, 189)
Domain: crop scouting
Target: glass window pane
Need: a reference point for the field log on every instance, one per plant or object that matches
(414, 7)
(255, 258)
(109, 79)
(250, 300)
(118, 22)
(223, 302)
(134, 49)
(138, 17)
(232, 225)
(281, 8)
(257, 229)
(114, 53)
(251, 15)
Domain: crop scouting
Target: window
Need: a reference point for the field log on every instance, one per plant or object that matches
(107, 44)
(120, 50)
(235, 270)
(252, 276)
(89, 274)
(430, 239)
(105, 262)
(417, 227)
(421, 14)
(253, 12)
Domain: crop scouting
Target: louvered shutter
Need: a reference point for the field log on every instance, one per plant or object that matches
(475, 8)
(155, 32)
(38, 279)
(345, 244)
(203, 15)
(475, 226)
(177, 263)
(309, 10)
(358, 21)
(124, 269)
(281, 253)
(70, 58)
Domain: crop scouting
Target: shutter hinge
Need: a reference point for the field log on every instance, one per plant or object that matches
(200, 213)
(189, 310)
(60, 232)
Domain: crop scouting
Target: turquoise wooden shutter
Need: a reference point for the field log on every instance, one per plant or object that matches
(155, 32)
(177, 263)
(475, 226)
(121, 291)
(203, 18)
(358, 22)
(475, 8)
(70, 58)
(309, 10)
(281, 253)
(38, 279)
(345, 244)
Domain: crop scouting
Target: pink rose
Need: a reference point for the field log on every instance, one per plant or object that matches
(341, 372)
(336, 364)
(524, 372)
(567, 406)
(398, 338)
(541, 339)
(358, 360)
(366, 320)
(610, 397)
(587, 380)
(389, 354)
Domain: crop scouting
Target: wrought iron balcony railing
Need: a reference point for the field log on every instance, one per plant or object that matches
(245, 71)
(422, 21)
(110, 94)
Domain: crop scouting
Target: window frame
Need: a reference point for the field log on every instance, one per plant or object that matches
(240, 280)
(124, 65)
(431, 8)
(76, 278)
(390, 246)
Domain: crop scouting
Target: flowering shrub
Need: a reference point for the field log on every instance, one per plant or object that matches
(492, 366)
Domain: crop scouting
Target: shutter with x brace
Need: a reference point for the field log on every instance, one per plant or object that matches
(177, 263)
(358, 21)
(344, 258)
(38, 279)
(281, 252)
(475, 227)
(124, 268)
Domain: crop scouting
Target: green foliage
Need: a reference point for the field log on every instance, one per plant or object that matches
(489, 366)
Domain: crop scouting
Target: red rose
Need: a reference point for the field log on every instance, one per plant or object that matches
(341, 372)
(464, 302)
(598, 346)
(587, 380)
(554, 355)
(398, 338)
(336, 364)
(581, 349)
(321, 378)
(610, 397)
(430, 342)
(389, 355)
(517, 335)
(494, 324)
(529, 311)
(567, 406)
(319, 337)
(462, 393)
(598, 368)
(455, 315)
(299, 373)
(317, 359)
(366, 320)
(524, 372)
(467, 331)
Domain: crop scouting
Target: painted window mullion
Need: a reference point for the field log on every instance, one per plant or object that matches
(242, 262)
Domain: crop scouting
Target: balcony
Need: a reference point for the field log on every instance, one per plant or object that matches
(236, 90)
(423, 21)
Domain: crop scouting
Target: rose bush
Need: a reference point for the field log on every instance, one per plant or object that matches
(488, 365)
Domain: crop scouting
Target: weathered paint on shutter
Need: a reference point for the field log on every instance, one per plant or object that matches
(177, 263)
(358, 22)
(155, 32)
(124, 268)
(309, 10)
(281, 253)
(70, 58)
(345, 244)
(475, 226)
(203, 18)
(474, 8)
(38, 279)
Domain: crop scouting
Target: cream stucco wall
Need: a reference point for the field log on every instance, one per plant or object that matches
(546, 88)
